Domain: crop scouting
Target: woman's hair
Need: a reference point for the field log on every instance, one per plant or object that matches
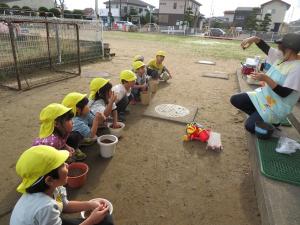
(40, 184)
(82, 103)
(103, 92)
(124, 81)
(61, 122)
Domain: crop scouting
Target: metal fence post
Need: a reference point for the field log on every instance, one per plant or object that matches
(13, 47)
(78, 49)
(48, 45)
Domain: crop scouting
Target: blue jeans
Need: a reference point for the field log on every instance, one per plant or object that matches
(243, 102)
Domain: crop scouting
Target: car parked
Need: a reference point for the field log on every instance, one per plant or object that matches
(216, 32)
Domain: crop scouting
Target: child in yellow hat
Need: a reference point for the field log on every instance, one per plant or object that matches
(56, 127)
(123, 91)
(156, 67)
(102, 99)
(44, 172)
(85, 124)
(141, 81)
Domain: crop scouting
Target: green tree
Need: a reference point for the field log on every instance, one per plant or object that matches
(189, 16)
(77, 13)
(42, 11)
(251, 22)
(264, 26)
(55, 12)
(3, 7)
(67, 14)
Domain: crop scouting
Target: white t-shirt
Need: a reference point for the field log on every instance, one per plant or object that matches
(39, 208)
(292, 80)
(273, 55)
(120, 91)
(99, 106)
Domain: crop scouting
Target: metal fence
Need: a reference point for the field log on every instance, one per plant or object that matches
(188, 31)
(37, 50)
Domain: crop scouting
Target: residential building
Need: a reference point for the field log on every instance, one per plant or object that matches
(277, 9)
(34, 4)
(173, 11)
(127, 6)
(241, 15)
(229, 16)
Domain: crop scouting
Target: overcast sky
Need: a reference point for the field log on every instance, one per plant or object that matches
(218, 6)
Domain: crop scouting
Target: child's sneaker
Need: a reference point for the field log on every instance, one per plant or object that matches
(88, 141)
(79, 155)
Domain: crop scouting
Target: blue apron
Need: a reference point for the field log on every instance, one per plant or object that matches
(270, 106)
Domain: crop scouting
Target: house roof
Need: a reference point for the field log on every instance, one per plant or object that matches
(244, 8)
(269, 2)
(196, 2)
(131, 2)
(229, 12)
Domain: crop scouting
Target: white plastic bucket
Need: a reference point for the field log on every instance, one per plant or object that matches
(107, 150)
(116, 131)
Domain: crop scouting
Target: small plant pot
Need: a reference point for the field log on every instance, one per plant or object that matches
(86, 214)
(107, 144)
(77, 174)
(153, 85)
(145, 97)
(116, 131)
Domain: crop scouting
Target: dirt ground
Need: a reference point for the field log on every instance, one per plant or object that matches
(154, 178)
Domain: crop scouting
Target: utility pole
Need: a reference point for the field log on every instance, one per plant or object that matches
(120, 9)
(96, 9)
(109, 13)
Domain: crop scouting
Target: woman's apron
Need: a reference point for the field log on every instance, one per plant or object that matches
(270, 106)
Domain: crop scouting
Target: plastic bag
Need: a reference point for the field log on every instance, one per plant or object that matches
(287, 146)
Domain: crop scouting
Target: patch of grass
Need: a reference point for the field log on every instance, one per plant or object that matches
(204, 47)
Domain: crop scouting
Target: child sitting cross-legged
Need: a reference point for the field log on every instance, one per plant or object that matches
(85, 123)
(44, 172)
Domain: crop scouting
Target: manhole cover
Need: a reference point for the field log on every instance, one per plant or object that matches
(170, 110)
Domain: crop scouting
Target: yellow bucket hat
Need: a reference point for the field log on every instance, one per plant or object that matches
(48, 116)
(127, 75)
(72, 99)
(138, 58)
(161, 53)
(137, 64)
(36, 162)
(95, 86)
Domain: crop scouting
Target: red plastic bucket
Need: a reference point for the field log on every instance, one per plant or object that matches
(77, 174)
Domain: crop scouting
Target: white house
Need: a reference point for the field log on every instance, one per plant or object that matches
(229, 16)
(277, 9)
(173, 11)
(34, 4)
(126, 6)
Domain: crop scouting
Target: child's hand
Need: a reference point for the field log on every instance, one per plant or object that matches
(116, 125)
(98, 214)
(113, 97)
(93, 205)
(71, 151)
(258, 76)
(144, 87)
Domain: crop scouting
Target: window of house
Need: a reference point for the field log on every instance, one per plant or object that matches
(125, 9)
(175, 5)
(140, 10)
(273, 11)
